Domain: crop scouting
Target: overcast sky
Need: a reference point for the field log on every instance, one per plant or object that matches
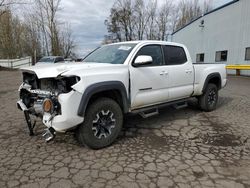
(86, 18)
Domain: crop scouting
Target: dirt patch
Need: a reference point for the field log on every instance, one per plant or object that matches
(220, 134)
(198, 174)
(159, 142)
(224, 140)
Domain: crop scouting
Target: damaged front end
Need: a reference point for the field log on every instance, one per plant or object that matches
(40, 98)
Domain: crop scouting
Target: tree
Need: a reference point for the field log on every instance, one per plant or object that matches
(38, 33)
(189, 10)
(162, 20)
(152, 17)
(67, 43)
(140, 19)
(56, 37)
(17, 39)
(48, 10)
(5, 4)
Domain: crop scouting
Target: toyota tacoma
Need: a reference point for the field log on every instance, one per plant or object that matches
(92, 96)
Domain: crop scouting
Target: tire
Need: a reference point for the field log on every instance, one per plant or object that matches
(208, 101)
(102, 124)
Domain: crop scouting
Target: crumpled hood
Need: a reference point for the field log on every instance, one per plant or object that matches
(54, 70)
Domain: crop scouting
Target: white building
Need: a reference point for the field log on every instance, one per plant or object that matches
(220, 36)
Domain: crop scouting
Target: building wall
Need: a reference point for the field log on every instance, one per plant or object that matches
(225, 29)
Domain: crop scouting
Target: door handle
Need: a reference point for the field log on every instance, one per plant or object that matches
(163, 73)
(188, 71)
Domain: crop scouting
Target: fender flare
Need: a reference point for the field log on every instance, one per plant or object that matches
(100, 87)
(209, 77)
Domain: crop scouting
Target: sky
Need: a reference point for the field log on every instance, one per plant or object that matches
(86, 18)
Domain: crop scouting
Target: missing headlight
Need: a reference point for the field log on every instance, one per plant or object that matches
(58, 85)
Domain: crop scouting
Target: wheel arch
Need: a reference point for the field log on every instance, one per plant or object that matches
(113, 89)
(214, 78)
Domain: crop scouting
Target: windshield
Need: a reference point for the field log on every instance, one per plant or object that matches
(113, 54)
(47, 60)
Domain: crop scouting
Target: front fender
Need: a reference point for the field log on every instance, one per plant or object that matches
(99, 87)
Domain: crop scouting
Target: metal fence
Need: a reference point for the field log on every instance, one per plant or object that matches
(16, 63)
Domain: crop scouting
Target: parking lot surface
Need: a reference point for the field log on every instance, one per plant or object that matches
(178, 148)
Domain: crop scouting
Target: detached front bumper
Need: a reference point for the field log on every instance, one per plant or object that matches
(21, 106)
(68, 118)
(65, 120)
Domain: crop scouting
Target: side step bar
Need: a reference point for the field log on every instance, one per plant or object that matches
(178, 106)
(153, 110)
(149, 113)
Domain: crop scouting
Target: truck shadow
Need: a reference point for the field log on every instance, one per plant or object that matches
(167, 115)
(135, 125)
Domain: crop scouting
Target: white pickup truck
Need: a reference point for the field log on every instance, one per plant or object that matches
(92, 96)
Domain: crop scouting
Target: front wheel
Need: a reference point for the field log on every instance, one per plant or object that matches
(208, 101)
(102, 124)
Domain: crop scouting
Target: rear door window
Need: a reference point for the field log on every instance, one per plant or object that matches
(174, 55)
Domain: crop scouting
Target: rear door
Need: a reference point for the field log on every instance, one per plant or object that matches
(181, 72)
(149, 83)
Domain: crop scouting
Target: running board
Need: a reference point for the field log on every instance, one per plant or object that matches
(149, 113)
(178, 106)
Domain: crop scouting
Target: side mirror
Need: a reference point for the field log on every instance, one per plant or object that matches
(143, 60)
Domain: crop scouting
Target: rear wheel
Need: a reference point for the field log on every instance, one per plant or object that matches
(102, 124)
(208, 101)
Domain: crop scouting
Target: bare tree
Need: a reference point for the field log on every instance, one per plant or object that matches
(190, 10)
(113, 26)
(141, 18)
(125, 17)
(40, 16)
(6, 37)
(48, 10)
(207, 6)
(38, 33)
(56, 36)
(151, 29)
(5, 4)
(120, 22)
(33, 36)
(162, 20)
(66, 41)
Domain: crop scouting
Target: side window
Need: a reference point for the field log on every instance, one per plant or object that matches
(247, 55)
(174, 55)
(59, 59)
(154, 51)
(200, 58)
(56, 60)
(221, 56)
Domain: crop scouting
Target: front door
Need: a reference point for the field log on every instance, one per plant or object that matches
(149, 83)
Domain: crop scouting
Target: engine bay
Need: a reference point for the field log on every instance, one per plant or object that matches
(35, 93)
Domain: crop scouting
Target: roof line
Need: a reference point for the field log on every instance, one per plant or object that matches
(221, 7)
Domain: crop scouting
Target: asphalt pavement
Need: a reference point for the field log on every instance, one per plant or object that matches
(177, 148)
